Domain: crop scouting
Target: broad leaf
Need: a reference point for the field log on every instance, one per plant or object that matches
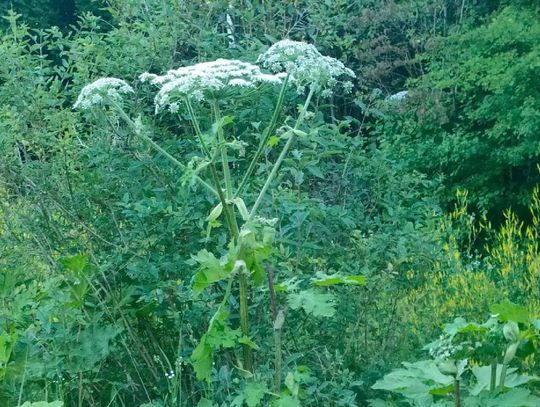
(509, 311)
(313, 302)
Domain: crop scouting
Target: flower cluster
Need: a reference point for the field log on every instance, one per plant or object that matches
(96, 93)
(306, 66)
(204, 80)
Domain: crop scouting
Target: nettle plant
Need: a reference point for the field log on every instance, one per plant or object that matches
(470, 364)
(207, 89)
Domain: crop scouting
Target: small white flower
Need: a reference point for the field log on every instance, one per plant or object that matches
(306, 66)
(174, 107)
(206, 80)
(96, 93)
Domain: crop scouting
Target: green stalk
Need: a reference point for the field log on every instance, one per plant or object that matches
(243, 289)
(234, 231)
(157, 147)
(493, 378)
(282, 155)
(244, 322)
(229, 215)
(265, 136)
(502, 378)
(223, 151)
(457, 393)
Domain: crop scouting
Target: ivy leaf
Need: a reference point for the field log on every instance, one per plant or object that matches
(313, 302)
(509, 311)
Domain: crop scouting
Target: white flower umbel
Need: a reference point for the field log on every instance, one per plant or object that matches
(306, 66)
(205, 81)
(96, 93)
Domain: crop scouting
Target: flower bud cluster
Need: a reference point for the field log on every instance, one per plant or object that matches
(306, 66)
(95, 93)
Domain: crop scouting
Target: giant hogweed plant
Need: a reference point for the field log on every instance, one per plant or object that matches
(205, 90)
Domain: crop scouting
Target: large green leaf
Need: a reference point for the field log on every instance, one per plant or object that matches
(513, 398)
(416, 381)
(313, 302)
(211, 270)
(483, 378)
(509, 311)
(252, 395)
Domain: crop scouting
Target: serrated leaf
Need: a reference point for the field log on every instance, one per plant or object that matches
(313, 302)
(254, 393)
(210, 271)
(76, 264)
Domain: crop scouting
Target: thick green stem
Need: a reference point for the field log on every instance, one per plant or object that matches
(457, 393)
(282, 155)
(493, 378)
(223, 150)
(137, 130)
(235, 232)
(244, 322)
(264, 138)
(502, 378)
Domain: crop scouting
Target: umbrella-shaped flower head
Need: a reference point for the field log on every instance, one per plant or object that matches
(306, 65)
(97, 92)
(205, 81)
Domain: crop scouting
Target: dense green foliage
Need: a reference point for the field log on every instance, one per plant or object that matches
(124, 283)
